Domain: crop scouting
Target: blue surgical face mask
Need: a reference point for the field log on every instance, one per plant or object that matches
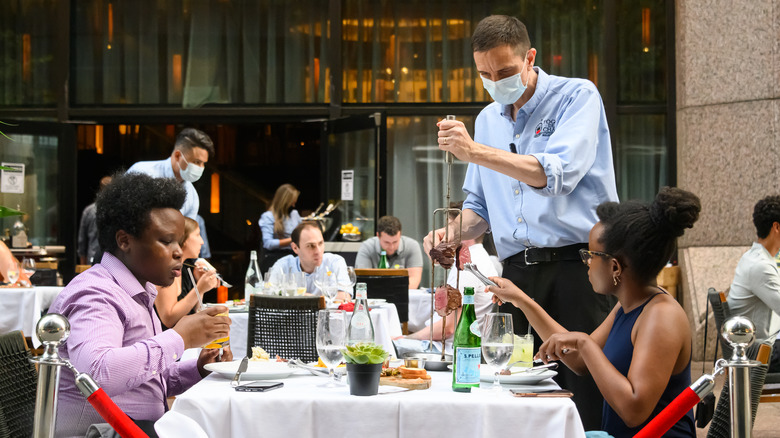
(508, 90)
(190, 173)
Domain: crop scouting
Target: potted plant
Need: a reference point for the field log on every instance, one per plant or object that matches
(364, 367)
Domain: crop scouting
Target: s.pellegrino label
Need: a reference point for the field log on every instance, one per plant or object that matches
(467, 352)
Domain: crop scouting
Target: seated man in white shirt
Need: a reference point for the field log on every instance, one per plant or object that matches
(755, 291)
(309, 247)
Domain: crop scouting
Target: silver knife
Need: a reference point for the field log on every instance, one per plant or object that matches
(241, 368)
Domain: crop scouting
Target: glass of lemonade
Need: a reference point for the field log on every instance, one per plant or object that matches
(221, 342)
(525, 346)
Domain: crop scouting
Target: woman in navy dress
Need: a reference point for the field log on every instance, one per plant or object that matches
(640, 356)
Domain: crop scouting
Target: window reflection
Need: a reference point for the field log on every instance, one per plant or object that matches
(641, 161)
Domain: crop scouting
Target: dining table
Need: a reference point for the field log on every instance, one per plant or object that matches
(384, 317)
(303, 408)
(22, 307)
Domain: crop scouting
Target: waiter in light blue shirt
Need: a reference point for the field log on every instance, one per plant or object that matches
(191, 151)
(540, 164)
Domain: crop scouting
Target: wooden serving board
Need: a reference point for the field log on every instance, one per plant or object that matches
(406, 383)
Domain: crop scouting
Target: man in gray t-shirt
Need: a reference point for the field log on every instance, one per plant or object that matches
(402, 252)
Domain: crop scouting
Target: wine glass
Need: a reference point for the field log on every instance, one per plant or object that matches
(12, 275)
(28, 266)
(290, 286)
(497, 343)
(330, 286)
(348, 286)
(331, 339)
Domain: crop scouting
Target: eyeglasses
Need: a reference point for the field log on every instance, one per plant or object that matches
(587, 255)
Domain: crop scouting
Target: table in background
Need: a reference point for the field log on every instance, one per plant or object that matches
(20, 308)
(420, 310)
(387, 326)
(302, 409)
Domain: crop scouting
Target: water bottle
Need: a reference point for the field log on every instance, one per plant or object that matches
(253, 283)
(467, 352)
(360, 329)
(383, 260)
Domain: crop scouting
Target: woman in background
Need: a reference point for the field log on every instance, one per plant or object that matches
(277, 223)
(172, 302)
(640, 356)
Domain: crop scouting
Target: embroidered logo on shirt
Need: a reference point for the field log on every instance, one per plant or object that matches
(546, 127)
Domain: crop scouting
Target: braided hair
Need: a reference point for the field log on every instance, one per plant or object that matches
(642, 235)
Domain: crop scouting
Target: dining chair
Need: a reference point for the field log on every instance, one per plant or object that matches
(721, 420)
(18, 383)
(284, 326)
(720, 309)
(391, 285)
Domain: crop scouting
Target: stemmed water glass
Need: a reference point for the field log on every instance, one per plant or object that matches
(12, 275)
(28, 266)
(497, 343)
(331, 339)
(348, 286)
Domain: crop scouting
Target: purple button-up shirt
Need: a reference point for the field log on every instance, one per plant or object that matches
(116, 337)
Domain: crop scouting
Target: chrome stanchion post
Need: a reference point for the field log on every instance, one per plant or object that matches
(739, 333)
(53, 329)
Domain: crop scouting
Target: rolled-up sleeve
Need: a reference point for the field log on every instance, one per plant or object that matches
(571, 150)
(267, 227)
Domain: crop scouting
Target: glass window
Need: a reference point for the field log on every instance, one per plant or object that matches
(642, 157)
(408, 51)
(641, 51)
(38, 154)
(27, 53)
(198, 52)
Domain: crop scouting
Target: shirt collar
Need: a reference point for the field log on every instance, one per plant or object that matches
(125, 279)
(542, 85)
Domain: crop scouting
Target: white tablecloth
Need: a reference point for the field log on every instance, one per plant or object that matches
(420, 310)
(20, 308)
(387, 325)
(303, 409)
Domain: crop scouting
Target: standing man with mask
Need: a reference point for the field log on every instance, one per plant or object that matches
(539, 165)
(190, 154)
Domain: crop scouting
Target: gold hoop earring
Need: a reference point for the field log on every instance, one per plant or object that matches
(615, 280)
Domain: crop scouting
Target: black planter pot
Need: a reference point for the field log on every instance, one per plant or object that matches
(364, 378)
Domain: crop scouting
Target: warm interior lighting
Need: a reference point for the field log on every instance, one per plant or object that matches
(176, 72)
(110, 24)
(214, 193)
(99, 139)
(122, 129)
(646, 29)
(26, 57)
(593, 68)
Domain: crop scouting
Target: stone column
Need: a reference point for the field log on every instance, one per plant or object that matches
(728, 148)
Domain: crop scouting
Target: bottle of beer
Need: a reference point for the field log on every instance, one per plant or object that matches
(466, 346)
(253, 283)
(360, 329)
(383, 260)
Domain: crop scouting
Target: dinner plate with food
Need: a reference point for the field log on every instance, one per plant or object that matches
(260, 367)
(519, 376)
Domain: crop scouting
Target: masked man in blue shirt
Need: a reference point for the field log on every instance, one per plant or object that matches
(540, 163)
(191, 151)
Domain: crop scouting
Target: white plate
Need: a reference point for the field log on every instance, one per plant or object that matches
(256, 370)
(530, 378)
(376, 302)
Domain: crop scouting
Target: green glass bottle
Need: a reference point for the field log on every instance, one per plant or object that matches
(383, 260)
(467, 353)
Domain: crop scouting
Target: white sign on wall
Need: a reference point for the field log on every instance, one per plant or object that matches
(12, 181)
(347, 184)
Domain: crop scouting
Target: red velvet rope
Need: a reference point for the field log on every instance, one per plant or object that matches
(673, 412)
(115, 416)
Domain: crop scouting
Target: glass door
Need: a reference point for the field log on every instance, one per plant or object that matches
(42, 185)
(354, 164)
